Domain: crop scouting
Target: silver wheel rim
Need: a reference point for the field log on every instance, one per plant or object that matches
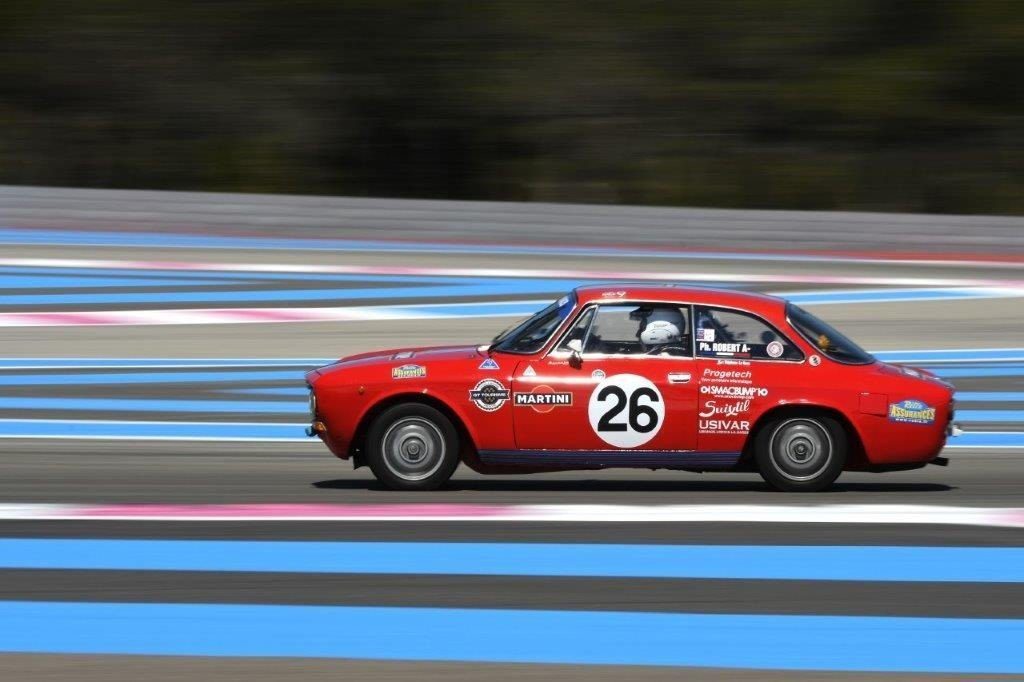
(800, 449)
(413, 448)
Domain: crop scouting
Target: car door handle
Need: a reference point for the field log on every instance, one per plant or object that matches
(678, 377)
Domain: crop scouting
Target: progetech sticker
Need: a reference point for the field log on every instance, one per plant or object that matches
(542, 399)
(911, 412)
(489, 395)
(626, 410)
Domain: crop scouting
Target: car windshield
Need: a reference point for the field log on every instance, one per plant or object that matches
(530, 335)
(825, 338)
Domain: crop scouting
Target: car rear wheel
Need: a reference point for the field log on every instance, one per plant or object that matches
(801, 453)
(412, 447)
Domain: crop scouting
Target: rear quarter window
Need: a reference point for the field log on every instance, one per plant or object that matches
(727, 333)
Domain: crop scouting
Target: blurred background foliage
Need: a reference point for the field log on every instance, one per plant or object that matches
(811, 104)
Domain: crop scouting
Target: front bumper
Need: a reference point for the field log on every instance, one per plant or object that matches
(316, 427)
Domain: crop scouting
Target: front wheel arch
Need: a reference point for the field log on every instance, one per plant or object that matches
(356, 449)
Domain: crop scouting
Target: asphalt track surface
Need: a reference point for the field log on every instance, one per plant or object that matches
(42, 471)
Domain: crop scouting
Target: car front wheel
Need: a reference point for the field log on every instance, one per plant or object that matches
(801, 453)
(412, 447)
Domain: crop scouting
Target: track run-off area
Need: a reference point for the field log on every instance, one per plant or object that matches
(161, 509)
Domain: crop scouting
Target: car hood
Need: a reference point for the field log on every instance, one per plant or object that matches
(414, 355)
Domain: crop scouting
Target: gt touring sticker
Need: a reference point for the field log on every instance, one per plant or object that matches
(911, 412)
(626, 410)
(408, 372)
(543, 399)
(489, 395)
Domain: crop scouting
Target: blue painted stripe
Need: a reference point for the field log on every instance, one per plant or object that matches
(154, 405)
(738, 562)
(988, 439)
(970, 354)
(275, 375)
(69, 428)
(298, 391)
(58, 281)
(488, 309)
(968, 416)
(998, 371)
(850, 643)
(79, 379)
(886, 295)
(189, 275)
(989, 396)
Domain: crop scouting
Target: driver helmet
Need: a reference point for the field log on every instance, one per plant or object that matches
(662, 327)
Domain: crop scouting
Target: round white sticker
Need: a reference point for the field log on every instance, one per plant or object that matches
(626, 410)
(775, 349)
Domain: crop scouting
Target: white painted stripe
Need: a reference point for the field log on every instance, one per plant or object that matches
(861, 514)
(205, 316)
(408, 311)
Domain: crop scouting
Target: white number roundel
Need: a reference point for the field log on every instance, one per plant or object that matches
(626, 410)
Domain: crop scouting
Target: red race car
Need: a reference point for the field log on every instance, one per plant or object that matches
(653, 377)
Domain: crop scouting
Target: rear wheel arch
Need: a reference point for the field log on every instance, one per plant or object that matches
(358, 443)
(856, 457)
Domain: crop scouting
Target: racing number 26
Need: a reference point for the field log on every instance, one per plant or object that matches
(626, 410)
(641, 418)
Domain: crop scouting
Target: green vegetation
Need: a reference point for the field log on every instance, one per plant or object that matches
(835, 104)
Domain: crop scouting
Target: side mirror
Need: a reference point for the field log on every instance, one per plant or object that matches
(575, 347)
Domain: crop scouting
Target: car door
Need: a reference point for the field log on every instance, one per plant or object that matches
(744, 365)
(616, 397)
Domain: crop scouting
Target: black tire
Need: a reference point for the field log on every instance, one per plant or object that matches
(801, 453)
(412, 446)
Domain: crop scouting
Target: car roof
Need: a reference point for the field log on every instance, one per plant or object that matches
(668, 292)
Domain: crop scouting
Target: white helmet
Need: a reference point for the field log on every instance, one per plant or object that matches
(662, 327)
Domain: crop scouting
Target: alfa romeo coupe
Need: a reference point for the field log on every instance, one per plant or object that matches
(645, 376)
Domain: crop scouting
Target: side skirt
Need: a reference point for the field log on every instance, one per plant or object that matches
(688, 460)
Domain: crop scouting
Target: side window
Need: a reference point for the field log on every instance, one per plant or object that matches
(731, 334)
(639, 329)
(579, 330)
